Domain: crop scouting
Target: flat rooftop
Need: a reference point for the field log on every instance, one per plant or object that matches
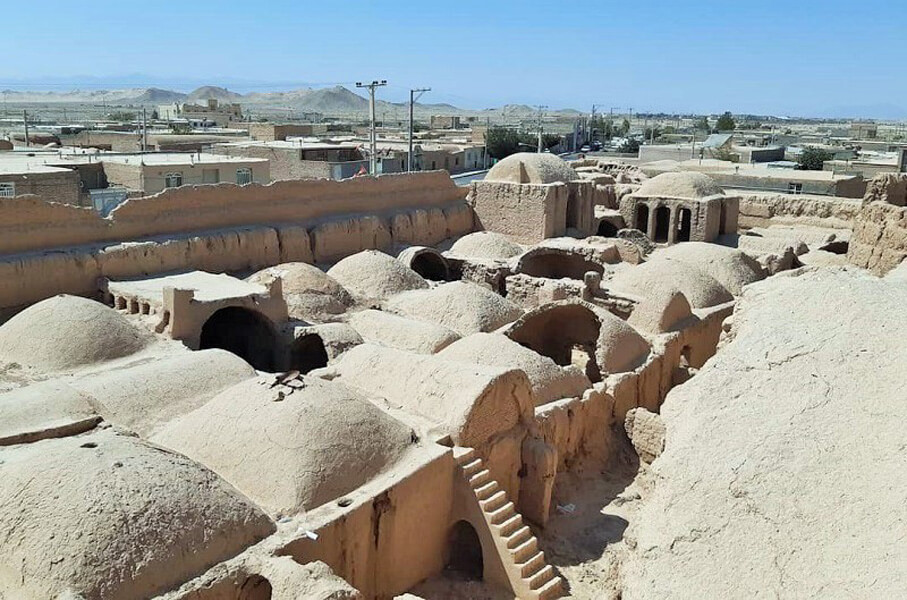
(208, 287)
(176, 158)
(293, 144)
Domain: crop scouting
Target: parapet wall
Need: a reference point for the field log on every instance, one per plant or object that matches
(47, 248)
(761, 210)
(31, 224)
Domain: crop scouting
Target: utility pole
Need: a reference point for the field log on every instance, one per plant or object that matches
(373, 137)
(541, 108)
(485, 152)
(144, 132)
(25, 120)
(412, 101)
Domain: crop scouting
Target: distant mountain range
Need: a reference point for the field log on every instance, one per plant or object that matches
(336, 100)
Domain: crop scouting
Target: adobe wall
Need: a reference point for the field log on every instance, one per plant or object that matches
(126, 175)
(390, 539)
(526, 213)
(879, 240)
(763, 210)
(47, 248)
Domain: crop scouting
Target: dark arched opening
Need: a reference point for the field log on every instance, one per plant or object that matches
(567, 334)
(607, 229)
(557, 264)
(255, 587)
(685, 226)
(430, 266)
(662, 223)
(308, 353)
(642, 218)
(465, 552)
(246, 333)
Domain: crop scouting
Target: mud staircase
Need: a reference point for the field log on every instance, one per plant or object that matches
(530, 576)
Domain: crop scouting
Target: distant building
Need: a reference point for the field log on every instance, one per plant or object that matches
(864, 131)
(272, 132)
(212, 114)
(445, 122)
(763, 178)
(298, 159)
(53, 176)
(154, 172)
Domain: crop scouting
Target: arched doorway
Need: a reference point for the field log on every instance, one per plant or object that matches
(642, 218)
(246, 333)
(430, 266)
(685, 225)
(566, 333)
(308, 353)
(607, 229)
(464, 550)
(255, 587)
(662, 224)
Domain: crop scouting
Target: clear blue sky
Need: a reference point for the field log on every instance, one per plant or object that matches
(778, 57)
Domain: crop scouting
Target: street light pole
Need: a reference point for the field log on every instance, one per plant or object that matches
(373, 137)
(412, 101)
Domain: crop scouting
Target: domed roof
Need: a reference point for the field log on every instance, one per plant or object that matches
(463, 307)
(394, 331)
(65, 332)
(470, 402)
(110, 516)
(374, 274)
(647, 279)
(532, 167)
(549, 381)
(485, 244)
(683, 184)
(310, 292)
(667, 309)
(731, 268)
(317, 442)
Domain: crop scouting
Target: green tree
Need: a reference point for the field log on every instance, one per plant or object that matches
(702, 124)
(602, 128)
(652, 133)
(630, 146)
(813, 158)
(625, 127)
(726, 122)
(502, 142)
(180, 128)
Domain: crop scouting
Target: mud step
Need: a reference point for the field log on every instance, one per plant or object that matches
(551, 590)
(480, 478)
(533, 565)
(543, 576)
(495, 502)
(518, 537)
(485, 492)
(472, 467)
(525, 551)
(507, 528)
(499, 515)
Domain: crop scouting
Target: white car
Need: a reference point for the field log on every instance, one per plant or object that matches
(585, 148)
